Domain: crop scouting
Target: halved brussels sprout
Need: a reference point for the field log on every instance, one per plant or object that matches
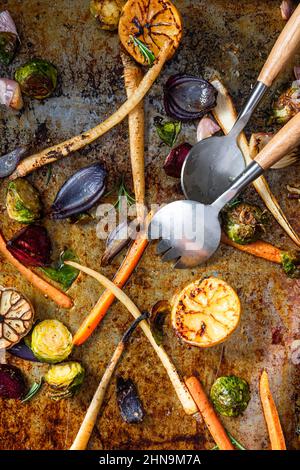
(243, 222)
(108, 12)
(8, 44)
(23, 202)
(37, 78)
(51, 341)
(64, 380)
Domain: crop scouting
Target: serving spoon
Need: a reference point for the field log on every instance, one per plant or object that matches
(213, 163)
(191, 231)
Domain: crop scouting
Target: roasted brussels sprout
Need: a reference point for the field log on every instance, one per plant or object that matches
(51, 341)
(23, 201)
(37, 78)
(64, 380)
(8, 44)
(12, 382)
(108, 12)
(230, 395)
(243, 222)
(287, 105)
(290, 261)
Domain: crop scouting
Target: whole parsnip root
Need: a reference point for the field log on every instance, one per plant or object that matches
(61, 299)
(226, 115)
(56, 152)
(271, 414)
(132, 77)
(180, 388)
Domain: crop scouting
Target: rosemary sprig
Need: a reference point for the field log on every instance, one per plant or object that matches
(34, 389)
(122, 192)
(145, 51)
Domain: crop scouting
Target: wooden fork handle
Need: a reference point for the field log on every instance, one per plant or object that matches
(283, 142)
(285, 46)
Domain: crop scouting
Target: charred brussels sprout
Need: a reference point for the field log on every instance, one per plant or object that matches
(108, 12)
(290, 261)
(51, 341)
(64, 380)
(287, 105)
(243, 222)
(23, 201)
(37, 78)
(230, 395)
(8, 45)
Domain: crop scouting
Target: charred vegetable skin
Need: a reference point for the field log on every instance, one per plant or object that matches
(37, 78)
(187, 97)
(23, 202)
(51, 341)
(107, 12)
(243, 223)
(128, 401)
(64, 380)
(230, 395)
(31, 246)
(12, 382)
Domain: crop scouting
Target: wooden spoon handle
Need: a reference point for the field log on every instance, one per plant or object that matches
(283, 142)
(285, 46)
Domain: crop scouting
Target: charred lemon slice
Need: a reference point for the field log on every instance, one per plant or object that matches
(206, 312)
(149, 23)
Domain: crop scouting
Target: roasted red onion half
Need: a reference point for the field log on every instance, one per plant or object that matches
(187, 97)
(31, 246)
(10, 94)
(174, 161)
(80, 192)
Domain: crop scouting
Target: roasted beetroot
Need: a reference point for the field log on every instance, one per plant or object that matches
(12, 382)
(31, 246)
(175, 159)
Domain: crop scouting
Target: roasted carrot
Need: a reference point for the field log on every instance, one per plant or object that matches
(132, 78)
(259, 248)
(131, 260)
(47, 289)
(63, 149)
(271, 414)
(209, 415)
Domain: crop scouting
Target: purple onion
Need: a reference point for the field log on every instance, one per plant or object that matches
(31, 246)
(80, 192)
(175, 159)
(187, 98)
(22, 351)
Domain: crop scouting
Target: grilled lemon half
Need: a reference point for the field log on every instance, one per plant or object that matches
(151, 22)
(206, 312)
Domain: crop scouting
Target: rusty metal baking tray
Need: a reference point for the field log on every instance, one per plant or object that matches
(228, 38)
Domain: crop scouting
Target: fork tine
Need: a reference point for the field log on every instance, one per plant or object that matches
(163, 246)
(180, 264)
